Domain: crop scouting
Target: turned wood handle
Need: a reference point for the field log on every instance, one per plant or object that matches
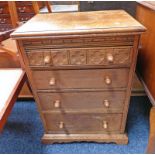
(22, 9)
(47, 59)
(61, 125)
(1, 10)
(106, 103)
(52, 82)
(57, 103)
(105, 124)
(107, 80)
(110, 58)
(2, 21)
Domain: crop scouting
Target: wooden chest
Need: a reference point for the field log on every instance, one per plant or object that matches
(80, 67)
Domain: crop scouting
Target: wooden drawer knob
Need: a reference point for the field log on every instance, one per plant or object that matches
(52, 82)
(105, 124)
(22, 9)
(1, 10)
(2, 21)
(108, 80)
(61, 125)
(110, 58)
(47, 59)
(106, 103)
(57, 104)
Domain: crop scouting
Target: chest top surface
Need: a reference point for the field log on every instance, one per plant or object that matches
(78, 22)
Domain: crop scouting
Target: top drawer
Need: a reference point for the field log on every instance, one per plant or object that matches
(79, 42)
(80, 56)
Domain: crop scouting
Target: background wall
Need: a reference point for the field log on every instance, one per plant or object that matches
(129, 6)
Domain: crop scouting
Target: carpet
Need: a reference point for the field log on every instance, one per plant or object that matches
(24, 129)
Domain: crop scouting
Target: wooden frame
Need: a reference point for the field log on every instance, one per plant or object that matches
(16, 87)
(130, 36)
(146, 11)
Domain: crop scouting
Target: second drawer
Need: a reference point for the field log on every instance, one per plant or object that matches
(81, 79)
(105, 101)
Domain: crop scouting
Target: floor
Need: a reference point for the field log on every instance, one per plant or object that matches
(23, 131)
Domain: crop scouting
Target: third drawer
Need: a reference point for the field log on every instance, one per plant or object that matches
(101, 101)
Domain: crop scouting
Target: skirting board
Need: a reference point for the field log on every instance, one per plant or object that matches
(63, 138)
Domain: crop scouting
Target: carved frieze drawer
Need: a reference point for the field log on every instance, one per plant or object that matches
(80, 56)
(79, 42)
(82, 123)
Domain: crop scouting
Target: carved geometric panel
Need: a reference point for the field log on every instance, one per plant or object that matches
(96, 57)
(59, 57)
(122, 55)
(78, 57)
(35, 58)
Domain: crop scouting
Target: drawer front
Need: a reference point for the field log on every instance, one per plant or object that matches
(5, 19)
(105, 101)
(79, 42)
(23, 3)
(4, 8)
(28, 3)
(92, 78)
(80, 56)
(26, 17)
(25, 9)
(5, 27)
(82, 123)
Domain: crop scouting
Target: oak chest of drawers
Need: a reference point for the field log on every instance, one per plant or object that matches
(80, 67)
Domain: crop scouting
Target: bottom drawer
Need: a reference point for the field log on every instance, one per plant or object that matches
(82, 123)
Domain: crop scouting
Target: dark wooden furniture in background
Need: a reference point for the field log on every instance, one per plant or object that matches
(80, 69)
(146, 61)
(11, 13)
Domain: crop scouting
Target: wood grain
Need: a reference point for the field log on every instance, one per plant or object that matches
(82, 123)
(79, 101)
(81, 79)
(79, 23)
